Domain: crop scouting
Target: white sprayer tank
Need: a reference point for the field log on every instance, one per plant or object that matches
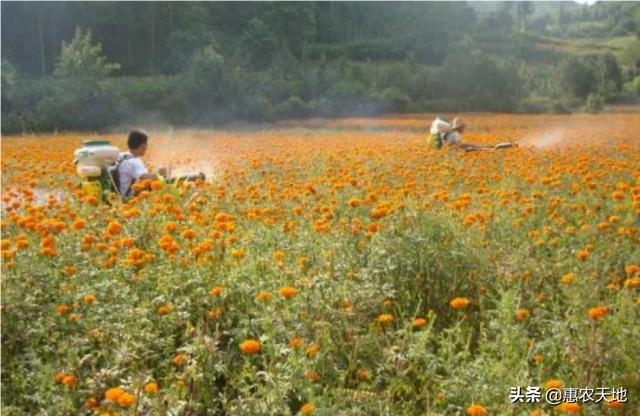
(93, 156)
(439, 126)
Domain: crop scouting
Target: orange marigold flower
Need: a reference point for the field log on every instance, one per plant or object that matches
(567, 278)
(250, 346)
(567, 407)
(89, 298)
(156, 185)
(307, 409)
(113, 394)
(522, 314)
(217, 291)
(476, 410)
(632, 282)
(288, 292)
(459, 303)
(126, 399)
(151, 388)
(188, 234)
(632, 268)
(362, 374)
(91, 403)
(419, 322)
(312, 350)
(114, 228)
(582, 255)
(296, 343)
(164, 309)
(70, 270)
(618, 196)
(553, 383)
(180, 359)
(312, 376)
(215, 313)
(69, 380)
(263, 295)
(597, 312)
(614, 404)
(237, 253)
(59, 376)
(384, 318)
(79, 224)
(62, 309)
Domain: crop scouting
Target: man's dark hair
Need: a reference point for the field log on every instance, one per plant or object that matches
(136, 139)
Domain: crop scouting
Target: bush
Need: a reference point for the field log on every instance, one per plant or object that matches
(420, 266)
(594, 103)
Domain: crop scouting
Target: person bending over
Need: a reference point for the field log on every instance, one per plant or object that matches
(444, 134)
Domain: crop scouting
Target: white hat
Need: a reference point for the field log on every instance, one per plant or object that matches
(457, 124)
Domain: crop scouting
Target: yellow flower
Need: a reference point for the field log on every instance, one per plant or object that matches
(237, 253)
(384, 318)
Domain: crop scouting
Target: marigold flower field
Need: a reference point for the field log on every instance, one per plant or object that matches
(328, 267)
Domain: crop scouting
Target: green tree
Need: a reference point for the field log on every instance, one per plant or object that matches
(523, 10)
(204, 82)
(258, 43)
(576, 77)
(82, 59)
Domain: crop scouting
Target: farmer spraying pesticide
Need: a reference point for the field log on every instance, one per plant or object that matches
(105, 170)
(443, 133)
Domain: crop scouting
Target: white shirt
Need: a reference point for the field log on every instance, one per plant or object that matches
(130, 171)
(453, 137)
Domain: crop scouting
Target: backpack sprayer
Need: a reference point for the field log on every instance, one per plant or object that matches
(439, 128)
(97, 164)
(94, 163)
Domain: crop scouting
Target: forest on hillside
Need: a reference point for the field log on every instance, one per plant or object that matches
(100, 65)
